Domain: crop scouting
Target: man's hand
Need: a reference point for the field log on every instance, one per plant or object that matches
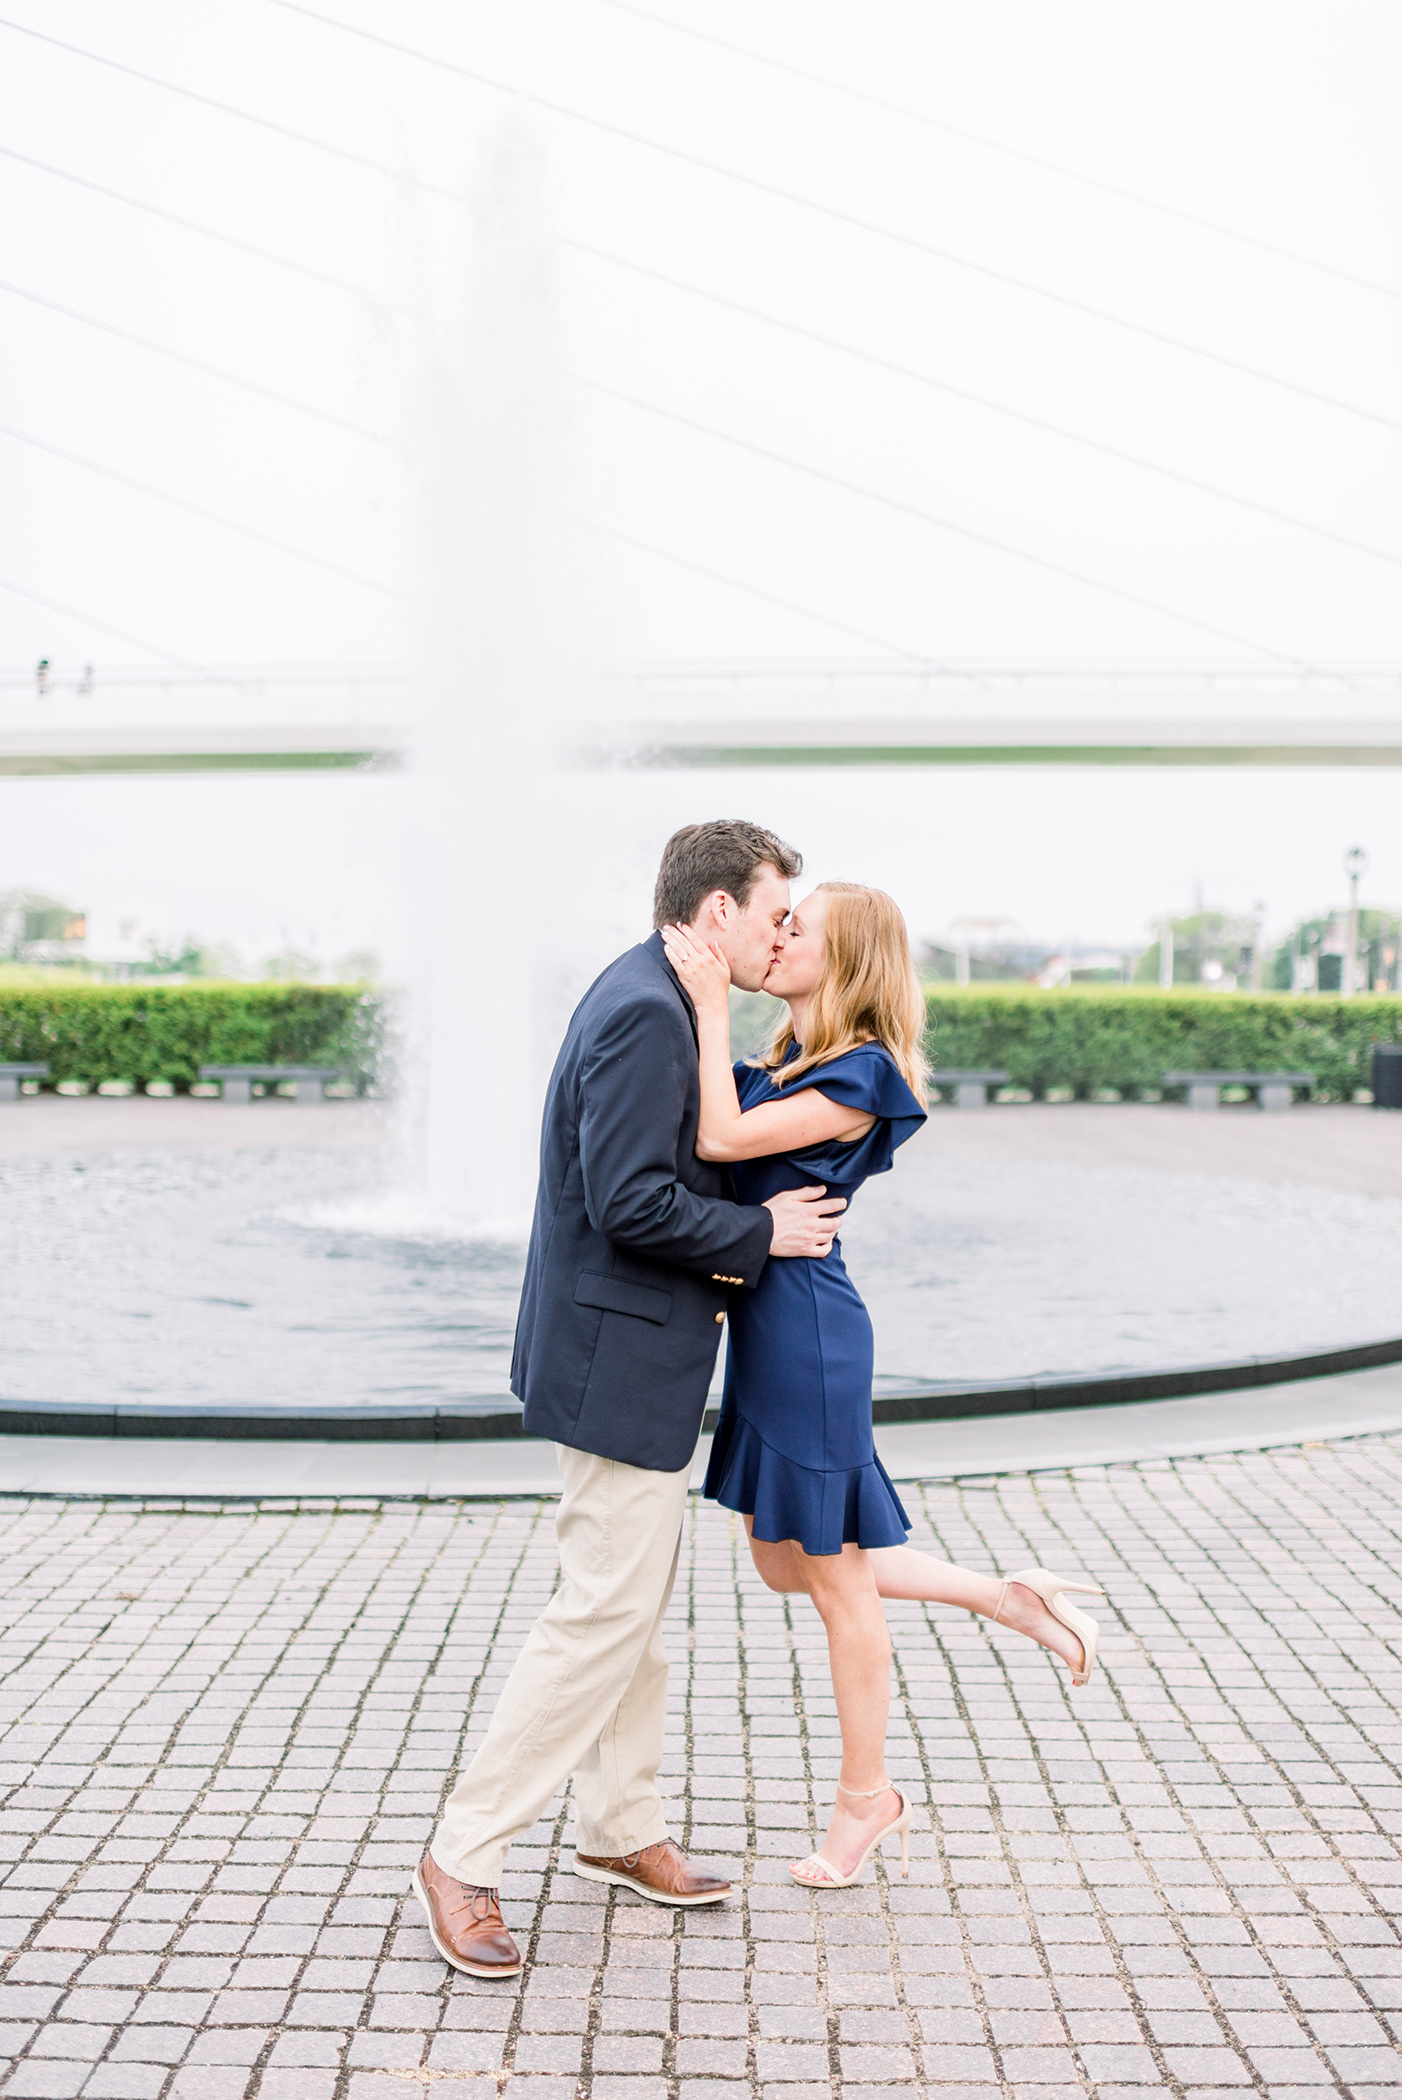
(804, 1221)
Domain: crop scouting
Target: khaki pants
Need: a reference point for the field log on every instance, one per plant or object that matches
(588, 1693)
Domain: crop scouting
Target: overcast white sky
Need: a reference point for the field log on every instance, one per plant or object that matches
(1277, 122)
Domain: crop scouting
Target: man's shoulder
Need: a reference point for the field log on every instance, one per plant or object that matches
(637, 981)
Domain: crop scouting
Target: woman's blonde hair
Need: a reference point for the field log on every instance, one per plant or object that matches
(868, 991)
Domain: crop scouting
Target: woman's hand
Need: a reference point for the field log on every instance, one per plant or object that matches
(704, 972)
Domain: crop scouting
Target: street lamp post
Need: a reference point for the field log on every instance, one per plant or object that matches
(1356, 867)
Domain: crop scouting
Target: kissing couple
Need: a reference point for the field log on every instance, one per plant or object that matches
(674, 1190)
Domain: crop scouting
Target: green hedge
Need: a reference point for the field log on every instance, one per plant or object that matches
(1084, 1039)
(1092, 1039)
(167, 1031)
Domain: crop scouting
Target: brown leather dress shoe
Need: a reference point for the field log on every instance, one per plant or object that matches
(465, 1923)
(661, 1872)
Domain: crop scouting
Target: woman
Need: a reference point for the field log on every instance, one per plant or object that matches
(838, 1091)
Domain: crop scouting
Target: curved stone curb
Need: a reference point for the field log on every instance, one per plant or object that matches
(468, 1420)
(1021, 1396)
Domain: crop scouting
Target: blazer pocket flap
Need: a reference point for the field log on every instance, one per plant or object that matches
(616, 1295)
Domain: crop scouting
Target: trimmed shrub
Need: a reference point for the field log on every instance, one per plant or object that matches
(1091, 1039)
(166, 1032)
(1085, 1040)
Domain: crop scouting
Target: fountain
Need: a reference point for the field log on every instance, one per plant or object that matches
(488, 821)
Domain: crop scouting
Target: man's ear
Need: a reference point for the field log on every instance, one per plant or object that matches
(722, 904)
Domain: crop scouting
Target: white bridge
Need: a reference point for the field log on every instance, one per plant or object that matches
(731, 716)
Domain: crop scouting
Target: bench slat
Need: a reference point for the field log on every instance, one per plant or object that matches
(1274, 1090)
(11, 1075)
(237, 1081)
(970, 1088)
(1238, 1078)
(267, 1072)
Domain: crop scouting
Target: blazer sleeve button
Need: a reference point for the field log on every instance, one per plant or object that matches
(720, 1316)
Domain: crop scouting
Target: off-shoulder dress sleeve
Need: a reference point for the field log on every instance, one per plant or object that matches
(866, 1078)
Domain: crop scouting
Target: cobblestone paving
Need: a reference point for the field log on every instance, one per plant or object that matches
(227, 1730)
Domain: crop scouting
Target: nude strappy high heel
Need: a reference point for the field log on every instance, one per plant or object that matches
(899, 1824)
(1051, 1589)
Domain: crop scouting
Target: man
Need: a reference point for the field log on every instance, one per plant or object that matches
(633, 1249)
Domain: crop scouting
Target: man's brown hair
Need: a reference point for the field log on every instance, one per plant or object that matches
(725, 855)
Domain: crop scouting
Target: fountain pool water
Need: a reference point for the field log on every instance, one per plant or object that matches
(209, 1276)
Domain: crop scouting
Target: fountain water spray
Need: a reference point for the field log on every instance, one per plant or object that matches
(498, 663)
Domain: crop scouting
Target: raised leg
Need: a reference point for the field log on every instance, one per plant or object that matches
(904, 1573)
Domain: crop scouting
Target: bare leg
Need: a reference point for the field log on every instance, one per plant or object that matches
(902, 1571)
(843, 1589)
(847, 1589)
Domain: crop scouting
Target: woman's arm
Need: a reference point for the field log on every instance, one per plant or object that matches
(725, 1131)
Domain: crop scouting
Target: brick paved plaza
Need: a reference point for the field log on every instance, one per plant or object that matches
(227, 1731)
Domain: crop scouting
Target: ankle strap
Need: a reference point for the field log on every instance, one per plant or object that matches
(863, 1794)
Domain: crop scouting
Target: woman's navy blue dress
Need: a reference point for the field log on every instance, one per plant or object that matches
(793, 1447)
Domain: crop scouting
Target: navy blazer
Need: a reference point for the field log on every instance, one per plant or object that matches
(635, 1240)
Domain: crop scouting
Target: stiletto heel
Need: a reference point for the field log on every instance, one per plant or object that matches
(899, 1826)
(1051, 1589)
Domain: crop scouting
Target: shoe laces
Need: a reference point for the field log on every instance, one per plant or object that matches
(635, 1859)
(486, 1897)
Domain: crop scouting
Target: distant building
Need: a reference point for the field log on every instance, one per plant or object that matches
(35, 928)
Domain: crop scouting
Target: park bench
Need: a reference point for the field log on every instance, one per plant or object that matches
(1274, 1090)
(11, 1075)
(970, 1088)
(238, 1081)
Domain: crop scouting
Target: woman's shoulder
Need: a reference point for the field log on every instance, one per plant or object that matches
(871, 1061)
(867, 1077)
(873, 1054)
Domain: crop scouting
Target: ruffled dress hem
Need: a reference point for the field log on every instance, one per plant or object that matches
(823, 1511)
